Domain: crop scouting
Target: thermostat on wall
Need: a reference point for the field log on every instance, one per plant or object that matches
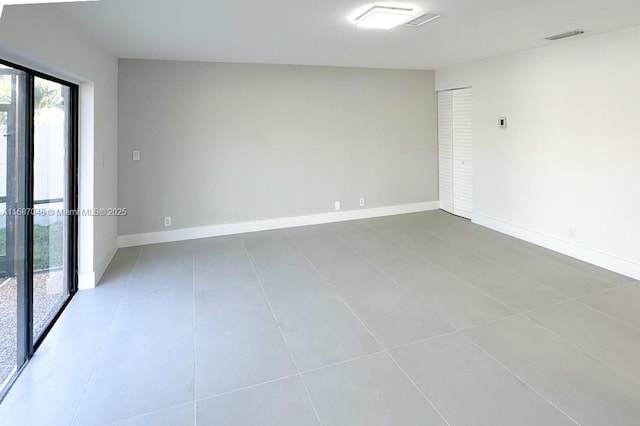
(502, 122)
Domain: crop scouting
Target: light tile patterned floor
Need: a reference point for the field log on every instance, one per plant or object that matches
(421, 319)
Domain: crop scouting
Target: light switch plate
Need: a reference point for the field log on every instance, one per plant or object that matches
(136, 155)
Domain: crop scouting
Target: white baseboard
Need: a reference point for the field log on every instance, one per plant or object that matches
(268, 224)
(86, 281)
(570, 248)
(102, 266)
(89, 280)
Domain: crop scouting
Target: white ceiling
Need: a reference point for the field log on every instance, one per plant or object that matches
(318, 32)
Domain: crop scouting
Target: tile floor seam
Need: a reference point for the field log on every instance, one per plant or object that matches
(384, 349)
(340, 241)
(485, 323)
(139, 416)
(550, 259)
(611, 316)
(415, 385)
(593, 357)
(225, 287)
(243, 388)
(479, 256)
(521, 249)
(333, 364)
(527, 384)
(275, 318)
(104, 341)
(91, 309)
(563, 296)
(465, 280)
(163, 295)
(582, 303)
(472, 327)
(520, 274)
(469, 284)
(516, 271)
(523, 313)
(515, 311)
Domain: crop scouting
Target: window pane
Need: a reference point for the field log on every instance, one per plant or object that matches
(13, 317)
(50, 223)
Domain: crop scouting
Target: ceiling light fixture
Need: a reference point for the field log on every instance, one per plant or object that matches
(13, 2)
(384, 17)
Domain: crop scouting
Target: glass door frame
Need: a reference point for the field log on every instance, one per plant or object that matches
(26, 344)
(7, 260)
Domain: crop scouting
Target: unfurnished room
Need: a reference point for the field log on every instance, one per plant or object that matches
(290, 213)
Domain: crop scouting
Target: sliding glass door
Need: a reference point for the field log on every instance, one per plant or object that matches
(38, 200)
(50, 199)
(13, 138)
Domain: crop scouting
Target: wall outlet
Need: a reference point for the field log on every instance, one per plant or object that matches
(362, 202)
(337, 206)
(136, 155)
(572, 233)
(167, 221)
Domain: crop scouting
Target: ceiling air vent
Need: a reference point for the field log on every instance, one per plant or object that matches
(565, 35)
(422, 19)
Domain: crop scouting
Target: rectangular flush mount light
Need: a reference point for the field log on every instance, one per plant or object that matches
(384, 18)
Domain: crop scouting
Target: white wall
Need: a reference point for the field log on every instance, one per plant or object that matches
(40, 38)
(571, 154)
(228, 143)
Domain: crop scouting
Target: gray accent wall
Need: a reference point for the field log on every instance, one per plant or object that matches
(228, 143)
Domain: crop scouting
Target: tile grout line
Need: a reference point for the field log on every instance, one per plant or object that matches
(218, 395)
(493, 321)
(148, 413)
(384, 349)
(583, 351)
(334, 364)
(104, 341)
(517, 272)
(379, 269)
(464, 281)
(517, 314)
(507, 369)
(479, 256)
(243, 388)
(574, 299)
(550, 259)
(524, 314)
(514, 244)
(614, 318)
(567, 298)
(275, 318)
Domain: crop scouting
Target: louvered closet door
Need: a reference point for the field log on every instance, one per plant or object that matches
(456, 151)
(445, 149)
(462, 153)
